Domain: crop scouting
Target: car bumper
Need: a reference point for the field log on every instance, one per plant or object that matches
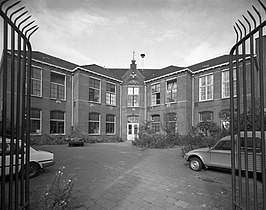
(47, 164)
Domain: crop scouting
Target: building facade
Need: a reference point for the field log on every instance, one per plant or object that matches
(111, 104)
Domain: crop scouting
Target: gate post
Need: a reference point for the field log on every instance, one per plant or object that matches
(247, 113)
(15, 75)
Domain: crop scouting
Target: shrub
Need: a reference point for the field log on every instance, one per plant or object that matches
(58, 194)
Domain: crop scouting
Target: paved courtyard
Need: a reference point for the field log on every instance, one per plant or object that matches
(121, 176)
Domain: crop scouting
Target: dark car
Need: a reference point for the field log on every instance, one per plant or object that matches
(76, 141)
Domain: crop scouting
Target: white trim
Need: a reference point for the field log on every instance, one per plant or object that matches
(110, 93)
(170, 74)
(97, 134)
(98, 74)
(206, 75)
(52, 65)
(39, 68)
(110, 134)
(155, 93)
(64, 99)
(166, 91)
(100, 92)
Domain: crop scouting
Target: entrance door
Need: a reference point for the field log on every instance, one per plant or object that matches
(132, 131)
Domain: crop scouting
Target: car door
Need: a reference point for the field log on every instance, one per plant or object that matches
(220, 154)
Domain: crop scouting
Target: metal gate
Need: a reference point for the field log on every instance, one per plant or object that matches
(15, 77)
(247, 111)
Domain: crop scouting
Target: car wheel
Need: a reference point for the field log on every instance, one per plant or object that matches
(195, 164)
(34, 170)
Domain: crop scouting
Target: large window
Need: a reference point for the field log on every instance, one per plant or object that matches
(36, 81)
(226, 84)
(110, 94)
(155, 124)
(133, 96)
(94, 90)
(206, 88)
(57, 86)
(171, 120)
(133, 119)
(35, 121)
(155, 94)
(94, 123)
(171, 88)
(57, 122)
(206, 116)
(110, 124)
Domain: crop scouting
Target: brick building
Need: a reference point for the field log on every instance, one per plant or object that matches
(111, 104)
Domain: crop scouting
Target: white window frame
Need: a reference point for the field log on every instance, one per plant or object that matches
(155, 123)
(108, 93)
(35, 79)
(138, 98)
(170, 90)
(225, 82)
(200, 114)
(155, 93)
(58, 85)
(206, 87)
(110, 123)
(96, 89)
(95, 121)
(57, 121)
(40, 119)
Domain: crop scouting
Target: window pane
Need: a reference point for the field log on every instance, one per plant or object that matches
(94, 116)
(94, 95)
(57, 115)
(36, 73)
(94, 83)
(206, 116)
(110, 118)
(94, 128)
(35, 113)
(110, 87)
(156, 118)
(57, 78)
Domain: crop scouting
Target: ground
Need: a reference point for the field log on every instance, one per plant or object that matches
(120, 176)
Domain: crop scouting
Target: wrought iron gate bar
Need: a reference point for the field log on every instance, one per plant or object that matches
(17, 69)
(247, 92)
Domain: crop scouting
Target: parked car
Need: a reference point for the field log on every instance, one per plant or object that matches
(76, 141)
(220, 154)
(38, 159)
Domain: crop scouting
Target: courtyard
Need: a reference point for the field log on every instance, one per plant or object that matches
(121, 176)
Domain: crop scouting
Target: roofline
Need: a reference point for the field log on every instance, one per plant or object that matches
(98, 74)
(170, 74)
(49, 64)
(220, 65)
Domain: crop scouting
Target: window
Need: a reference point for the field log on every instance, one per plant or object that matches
(155, 94)
(155, 125)
(223, 145)
(133, 97)
(36, 81)
(206, 116)
(171, 121)
(57, 86)
(35, 121)
(110, 94)
(206, 88)
(94, 90)
(171, 88)
(133, 119)
(94, 123)
(110, 124)
(57, 122)
(250, 144)
(226, 84)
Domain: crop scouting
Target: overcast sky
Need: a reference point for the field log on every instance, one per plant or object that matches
(106, 32)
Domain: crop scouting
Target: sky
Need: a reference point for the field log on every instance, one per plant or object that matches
(106, 32)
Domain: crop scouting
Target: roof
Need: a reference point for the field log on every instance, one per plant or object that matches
(53, 60)
(210, 63)
(147, 73)
(100, 70)
(165, 71)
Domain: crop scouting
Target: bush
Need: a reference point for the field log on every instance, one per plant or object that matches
(58, 194)
(204, 134)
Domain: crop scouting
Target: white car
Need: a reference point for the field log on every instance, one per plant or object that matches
(220, 154)
(38, 159)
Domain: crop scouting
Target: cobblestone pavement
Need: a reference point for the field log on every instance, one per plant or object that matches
(122, 177)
